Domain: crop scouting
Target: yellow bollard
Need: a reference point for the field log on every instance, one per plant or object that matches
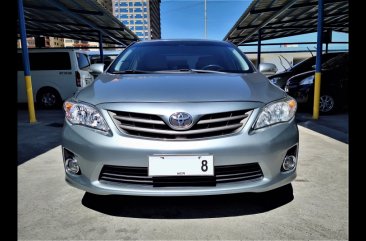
(28, 86)
(316, 95)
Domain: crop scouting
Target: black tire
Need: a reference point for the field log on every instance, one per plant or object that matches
(48, 98)
(327, 103)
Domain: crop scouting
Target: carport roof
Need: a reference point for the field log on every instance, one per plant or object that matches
(82, 20)
(283, 18)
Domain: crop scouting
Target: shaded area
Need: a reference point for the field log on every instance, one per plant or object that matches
(82, 20)
(35, 139)
(334, 126)
(189, 207)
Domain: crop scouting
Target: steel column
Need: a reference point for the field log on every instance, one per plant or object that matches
(101, 47)
(317, 80)
(25, 55)
(259, 47)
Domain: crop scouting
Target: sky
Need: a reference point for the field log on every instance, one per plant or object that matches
(185, 19)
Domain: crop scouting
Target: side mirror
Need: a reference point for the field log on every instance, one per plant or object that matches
(96, 68)
(267, 68)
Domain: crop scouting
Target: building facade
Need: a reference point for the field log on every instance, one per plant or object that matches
(43, 42)
(141, 16)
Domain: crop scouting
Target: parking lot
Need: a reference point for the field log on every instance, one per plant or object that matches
(315, 206)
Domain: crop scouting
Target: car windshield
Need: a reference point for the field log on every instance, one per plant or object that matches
(336, 62)
(177, 56)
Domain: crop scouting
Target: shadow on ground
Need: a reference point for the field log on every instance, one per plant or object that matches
(189, 207)
(38, 138)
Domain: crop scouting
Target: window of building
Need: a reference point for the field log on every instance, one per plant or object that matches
(132, 21)
(139, 34)
(123, 4)
(46, 61)
(138, 4)
(139, 28)
(145, 15)
(125, 22)
(138, 10)
(124, 15)
(138, 22)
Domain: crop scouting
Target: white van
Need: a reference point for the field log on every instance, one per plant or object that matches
(56, 75)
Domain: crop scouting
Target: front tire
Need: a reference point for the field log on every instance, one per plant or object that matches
(48, 98)
(327, 104)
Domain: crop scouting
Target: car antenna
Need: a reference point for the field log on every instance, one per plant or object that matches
(310, 52)
(288, 62)
(282, 63)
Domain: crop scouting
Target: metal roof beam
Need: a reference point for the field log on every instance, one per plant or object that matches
(299, 5)
(302, 27)
(70, 24)
(283, 8)
(293, 21)
(288, 43)
(79, 18)
(31, 6)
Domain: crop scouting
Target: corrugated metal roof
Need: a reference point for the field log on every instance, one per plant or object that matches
(282, 18)
(75, 19)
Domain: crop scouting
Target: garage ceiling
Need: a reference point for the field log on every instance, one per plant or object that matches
(283, 18)
(82, 20)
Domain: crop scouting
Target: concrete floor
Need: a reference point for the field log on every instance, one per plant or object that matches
(314, 207)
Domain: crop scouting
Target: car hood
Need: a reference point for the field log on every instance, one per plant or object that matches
(280, 74)
(297, 78)
(180, 87)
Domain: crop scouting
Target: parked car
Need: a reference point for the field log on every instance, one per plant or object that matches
(280, 79)
(334, 85)
(108, 56)
(56, 75)
(179, 118)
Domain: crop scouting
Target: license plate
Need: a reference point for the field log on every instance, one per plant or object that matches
(165, 165)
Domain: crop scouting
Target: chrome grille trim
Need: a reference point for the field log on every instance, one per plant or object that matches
(223, 174)
(181, 133)
(201, 122)
(155, 122)
(153, 126)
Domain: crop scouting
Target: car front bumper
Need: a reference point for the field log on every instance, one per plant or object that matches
(267, 147)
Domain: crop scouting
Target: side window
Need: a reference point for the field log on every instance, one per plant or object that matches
(46, 61)
(83, 60)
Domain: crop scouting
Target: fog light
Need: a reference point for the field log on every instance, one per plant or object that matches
(72, 166)
(289, 163)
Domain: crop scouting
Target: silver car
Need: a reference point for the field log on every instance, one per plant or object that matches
(180, 118)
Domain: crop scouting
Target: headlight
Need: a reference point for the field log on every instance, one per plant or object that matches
(275, 80)
(86, 115)
(307, 81)
(276, 112)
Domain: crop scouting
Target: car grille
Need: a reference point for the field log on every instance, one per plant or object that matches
(152, 126)
(139, 175)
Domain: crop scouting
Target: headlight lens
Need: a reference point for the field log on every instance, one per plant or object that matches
(307, 81)
(86, 115)
(276, 112)
(275, 80)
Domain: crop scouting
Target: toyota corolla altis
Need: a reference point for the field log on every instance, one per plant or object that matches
(180, 118)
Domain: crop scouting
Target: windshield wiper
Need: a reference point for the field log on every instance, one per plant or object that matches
(190, 70)
(132, 71)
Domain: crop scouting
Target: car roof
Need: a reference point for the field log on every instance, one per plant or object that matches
(182, 41)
